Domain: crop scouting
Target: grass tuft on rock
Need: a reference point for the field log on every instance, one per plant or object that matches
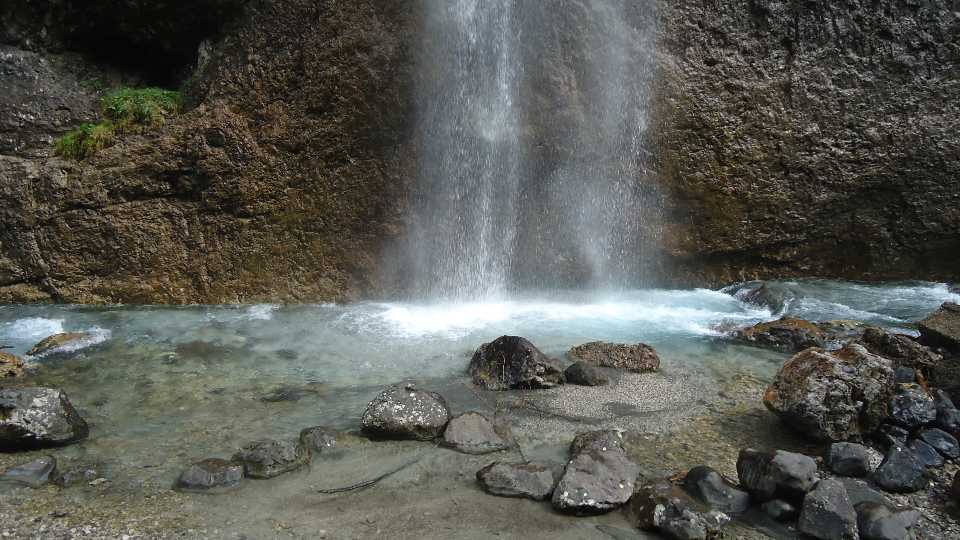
(125, 110)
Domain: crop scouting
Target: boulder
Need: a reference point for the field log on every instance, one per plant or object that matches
(912, 407)
(943, 442)
(639, 358)
(318, 438)
(849, 459)
(833, 396)
(765, 296)
(787, 334)
(34, 474)
(942, 328)
(881, 522)
(783, 475)
(926, 454)
(583, 374)
(38, 417)
(709, 487)
(904, 375)
(900, 472)
(474, 433)
(270, 458)
(210, 476)
(10, 366)
(595, 482)
(902, 350)
(780, 510)
(946, 376)
(602, 440)
(663, 507)
(511, 362)
(60, 342)
(828, 514)
(527, 480)
(403, 412)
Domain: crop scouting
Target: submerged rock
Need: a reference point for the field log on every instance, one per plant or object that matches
(942, 328)
(662, 506)
(403, 412)
(583, 374)
(38, 417)
(787, 334)
(10, 366)
(782, 475)
(902, 350)
(595, 481)
(270, 458)
(639, 358)
(318, 438)
(474, 433)
(712, 489)
(849, 459)
(210, 475)
(912, 407)
(900, 472)
(512, 362)
(833, 396)
(60, 342)
(765, 296)
(602, 440)
(528, 480)
(880, 522)
(75, 476)
(34, 474)
(828, 514)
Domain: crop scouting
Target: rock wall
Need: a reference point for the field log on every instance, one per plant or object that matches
(791, 139)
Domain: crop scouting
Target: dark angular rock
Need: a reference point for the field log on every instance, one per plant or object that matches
(318, 438)
(511, 362)
(902, 350)
(905, 375)
(34, 474)
(880, 522)
(849, 459)
(603, 440)
(860, 491)
(661, 506)
(528, 480)
(784, 475)
(927, 454)
(270, 458)
(595, 482)
(780, 510)
(835, 396)
(828, 514)
(210, 476)
(474, 433)
(787, 334)
(583, 374)
(639, 358)
(912, 407)
(709, 487)
(901, 471)
(38, 417)
(405, 413)
(890, 434)
(766, 296)
(942, 328)
(943, 442)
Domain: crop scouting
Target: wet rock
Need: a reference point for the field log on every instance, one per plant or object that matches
(602, 440)
(583, 374)
(403, 412)
(10, 366)
(849, 459)
(927, 454)
(75, 476)
(904, 375)
(528, 480)
(828, 514)
(943, 442)
(34, 474)
(38, 417)
(784, 475)
(890, 434)
(270, 458)
(765, 296)
(900, 472)
(210, 475)
(942, 328)
(833, 396)
(912, 407)
(661, 506)
(511, 362)
(787, 334)
(595, 482)
(902, 350)
(474, 433)
(709, 487)
(318, 438)
(59, 342)
(780, 510)
(880, 522)
(639, 358)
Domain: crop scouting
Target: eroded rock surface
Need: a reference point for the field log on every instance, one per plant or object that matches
(38, 417)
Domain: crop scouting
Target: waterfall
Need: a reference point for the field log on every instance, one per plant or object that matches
(531, 129)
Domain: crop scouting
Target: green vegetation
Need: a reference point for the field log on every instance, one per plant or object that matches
(125, 110)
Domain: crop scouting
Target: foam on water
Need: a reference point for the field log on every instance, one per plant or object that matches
(35, 328)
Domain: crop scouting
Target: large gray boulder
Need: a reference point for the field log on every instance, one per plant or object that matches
(474, 433)
(404, 412)
(512, 362)
(783, 475)
(828, 514)
(38, 417)
(598, 478)
(902, 350)
(833, 396)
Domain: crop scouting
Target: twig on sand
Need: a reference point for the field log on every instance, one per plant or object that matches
(367, 483)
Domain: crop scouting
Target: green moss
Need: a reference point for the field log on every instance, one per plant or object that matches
(125, 110)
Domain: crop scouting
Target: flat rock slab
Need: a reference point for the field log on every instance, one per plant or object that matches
(34, 474)
(403, 412)
(38, 417)
(474, 433)
(528, 480)
(639, 358)
(60, 343)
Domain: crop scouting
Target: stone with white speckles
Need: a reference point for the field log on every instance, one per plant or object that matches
(404, 412)
(38, 417)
